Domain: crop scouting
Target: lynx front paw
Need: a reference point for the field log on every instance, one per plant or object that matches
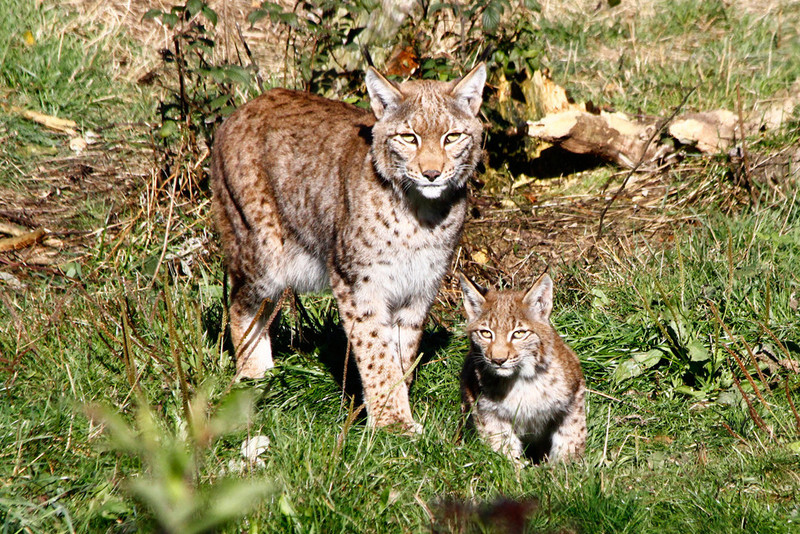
(254, 363)
(408, 428)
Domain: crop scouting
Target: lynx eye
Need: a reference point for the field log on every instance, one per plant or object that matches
(451, 138)
(409, 138)
(485, 334)
(520, 334)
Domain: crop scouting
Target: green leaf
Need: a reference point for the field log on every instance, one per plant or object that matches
(194, 7)
(237, 74)
(626, 370)
(257, 15)
(491, 18)
(72, 270)
(731, 398)
(289, 19)
(152, 13)
(168, 129)
(211, 15)
(678, 328)
(285, 506)
(169, 19)
(228, 500)
(794, 447)
(697, 351)
(533, 5)
(648, 359)
(601, 299)
(686, 390)
(219, 102)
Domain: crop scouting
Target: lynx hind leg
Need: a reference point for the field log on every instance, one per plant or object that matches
(569, 439)
(248, 316)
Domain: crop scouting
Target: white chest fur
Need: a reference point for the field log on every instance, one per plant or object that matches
(529, 405)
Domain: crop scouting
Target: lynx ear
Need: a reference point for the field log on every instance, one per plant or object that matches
(469, 89)
(539, 298)
(473, 297)
(383, 94)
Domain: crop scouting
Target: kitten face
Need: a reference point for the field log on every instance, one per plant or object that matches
(506, 348)
(427, 139)
(509, 330)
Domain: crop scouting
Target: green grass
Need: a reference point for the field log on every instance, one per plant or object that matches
(649, 63)
(55, 63)
(659, 457)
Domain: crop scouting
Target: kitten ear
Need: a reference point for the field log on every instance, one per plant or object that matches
(539, 298)
(473, 297)
(383, 94)
(469, 89)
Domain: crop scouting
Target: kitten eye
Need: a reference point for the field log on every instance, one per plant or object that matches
(409, 138)
(520, 334)
(451, 138)
(485, 334)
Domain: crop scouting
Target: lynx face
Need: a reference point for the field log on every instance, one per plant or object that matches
(509, 331)
(506, 352)
(426, 141)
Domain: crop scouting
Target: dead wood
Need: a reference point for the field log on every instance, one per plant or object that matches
(623, 140)
(21, 241)
(612, 137)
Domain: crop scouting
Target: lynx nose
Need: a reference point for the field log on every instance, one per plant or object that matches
(499, 361)
(431, 175)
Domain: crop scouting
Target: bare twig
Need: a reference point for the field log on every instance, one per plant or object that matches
(166, 230)
(250, 57)
(753, 414)
(745, 157)
(173, 343)
(275, 311)
(736, 357)
(734, 434)
(639, 163)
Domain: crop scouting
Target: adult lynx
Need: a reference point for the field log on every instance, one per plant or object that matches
(521, 384)
(310, 192)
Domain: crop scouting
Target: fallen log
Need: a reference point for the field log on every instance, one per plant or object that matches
(626, 141)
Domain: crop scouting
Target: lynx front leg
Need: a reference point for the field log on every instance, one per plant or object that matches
(409, 326)
(248, 316)
(499, 434)
(371, 342)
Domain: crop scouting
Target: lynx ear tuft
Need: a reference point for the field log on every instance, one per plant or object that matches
(383, 94)
(469, 89)
(473, 297)
(539, 298)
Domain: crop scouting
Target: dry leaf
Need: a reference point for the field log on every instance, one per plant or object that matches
(479, 256)
(77, 144)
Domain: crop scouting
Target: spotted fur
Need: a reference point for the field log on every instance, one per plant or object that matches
(521, 385)
(311, 192)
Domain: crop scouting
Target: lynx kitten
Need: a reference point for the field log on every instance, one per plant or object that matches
(310, 193)
(521, 384)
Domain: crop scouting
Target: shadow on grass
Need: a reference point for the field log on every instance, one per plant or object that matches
(295, 330)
